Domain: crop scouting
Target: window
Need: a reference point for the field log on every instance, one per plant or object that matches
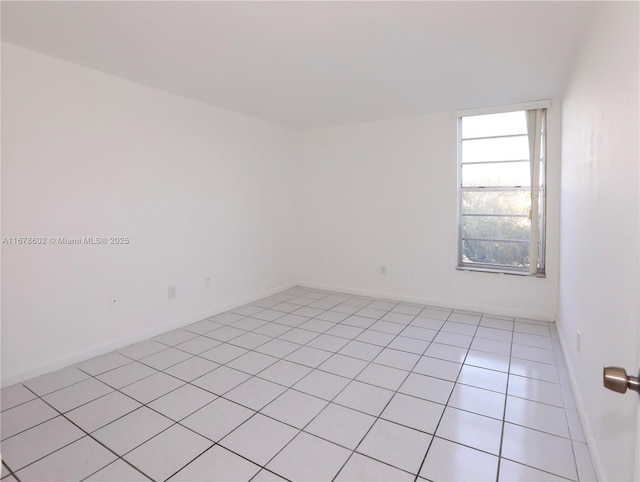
(501, 194)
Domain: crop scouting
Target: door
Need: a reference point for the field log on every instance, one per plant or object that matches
(638, 411)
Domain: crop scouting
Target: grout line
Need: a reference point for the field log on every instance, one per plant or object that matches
(11, 473)
(337, 395)
(368, 363)
(87, 434)
(371, 361)
(334, 397)
(424, 458)
(504, 410)
(313, 369)
(215, 443)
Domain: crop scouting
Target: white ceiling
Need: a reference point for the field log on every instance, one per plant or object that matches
(316, 64)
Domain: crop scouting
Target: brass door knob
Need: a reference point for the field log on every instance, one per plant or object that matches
(616, 379)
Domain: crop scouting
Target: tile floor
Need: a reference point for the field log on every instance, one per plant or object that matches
(308, 385)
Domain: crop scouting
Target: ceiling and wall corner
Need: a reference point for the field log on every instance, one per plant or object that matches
(383, 194)
(206, 127)
(300, 65)
(197, 191)
(317, 64)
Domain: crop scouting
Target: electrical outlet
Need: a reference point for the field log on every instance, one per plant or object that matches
(113, 302)
(207, 282)
(172, 292)
(578, 335)
(383, 270)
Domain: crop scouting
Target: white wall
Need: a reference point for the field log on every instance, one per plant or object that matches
(200, 192)
(599, 286)
(384, 193)
(205, 192)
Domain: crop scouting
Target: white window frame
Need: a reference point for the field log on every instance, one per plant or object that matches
(539, 270)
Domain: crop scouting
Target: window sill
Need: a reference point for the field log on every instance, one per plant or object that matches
(500, 271)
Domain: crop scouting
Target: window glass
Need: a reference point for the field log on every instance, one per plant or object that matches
(493, 253)
(509, 174)
(495, 192)
(496, 149)
(504, 124)
(513, 228)
(496, 202)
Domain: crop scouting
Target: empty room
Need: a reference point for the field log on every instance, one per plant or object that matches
(320, 241)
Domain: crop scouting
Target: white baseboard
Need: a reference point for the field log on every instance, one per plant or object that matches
(139, 336)
(433, 302)
(134, 338)
(596, 460)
